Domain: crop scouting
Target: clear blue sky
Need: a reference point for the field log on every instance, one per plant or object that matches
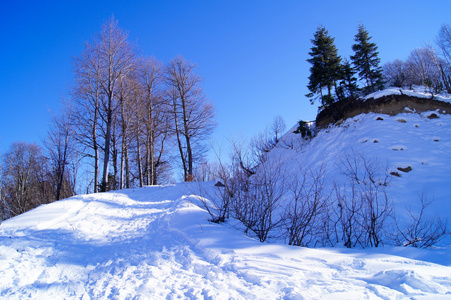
(252, 54)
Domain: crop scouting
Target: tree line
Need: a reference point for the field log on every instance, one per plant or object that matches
(130, 111)
(125, 120)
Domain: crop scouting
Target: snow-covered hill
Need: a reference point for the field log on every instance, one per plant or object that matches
(421, 141)
(157, 243)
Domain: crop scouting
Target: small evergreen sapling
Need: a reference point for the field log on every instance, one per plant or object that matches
(303, 129)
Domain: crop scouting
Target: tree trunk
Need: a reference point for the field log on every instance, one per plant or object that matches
(179, 142)
(106, 158)
(187, 138)
(96, 150)
(138, 160)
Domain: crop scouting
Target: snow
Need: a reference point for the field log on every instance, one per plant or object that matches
(157, 243)
(417, 91)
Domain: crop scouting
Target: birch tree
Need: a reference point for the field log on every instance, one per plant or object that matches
(117, 58)
(85, 108)
(156, 117)
(193, 115)
(105, 62)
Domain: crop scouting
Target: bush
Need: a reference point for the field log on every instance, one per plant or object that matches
(421, 231)
(303, 129)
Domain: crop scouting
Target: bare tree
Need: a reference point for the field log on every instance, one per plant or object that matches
(117, 59)
(128, 101)
(278, 128)
(3, 204)
(444, 43)
(193, 116)
(422, 68)
(61, 156)
(85, 107)
(220, 197)
(395, 73)
(24, 184)
(376, 206)
(225, 188)
(156, 118)
(265, 141)
(206, 171)
(348, 214)
(105, 62)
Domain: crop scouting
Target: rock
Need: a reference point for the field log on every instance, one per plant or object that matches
(405, 170)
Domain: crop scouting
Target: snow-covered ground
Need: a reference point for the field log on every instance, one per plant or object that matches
(416, 91)
(155, 243)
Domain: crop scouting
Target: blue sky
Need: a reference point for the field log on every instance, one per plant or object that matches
(251, 54)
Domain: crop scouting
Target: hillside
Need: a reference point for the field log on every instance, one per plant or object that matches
(414, 146)
(157, 243)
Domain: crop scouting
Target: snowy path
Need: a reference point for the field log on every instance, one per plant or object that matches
(153, 243)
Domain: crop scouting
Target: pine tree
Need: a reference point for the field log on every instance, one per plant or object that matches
(348, 83)
(325, 69)
(366, 61)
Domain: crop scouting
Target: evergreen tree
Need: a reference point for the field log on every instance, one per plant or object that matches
(366, 61)
(348, 84)
(325, 69)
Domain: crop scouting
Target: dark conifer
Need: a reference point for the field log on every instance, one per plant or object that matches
(348, 83)
(366, 61)
(325, 69)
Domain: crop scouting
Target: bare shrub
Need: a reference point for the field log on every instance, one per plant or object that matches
(365, 208)
(305, 216)
(257, 198)
(349, 212)
(422, 231)
(226, 178)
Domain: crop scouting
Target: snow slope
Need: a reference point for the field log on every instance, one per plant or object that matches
(155, 243)
(421, 141)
